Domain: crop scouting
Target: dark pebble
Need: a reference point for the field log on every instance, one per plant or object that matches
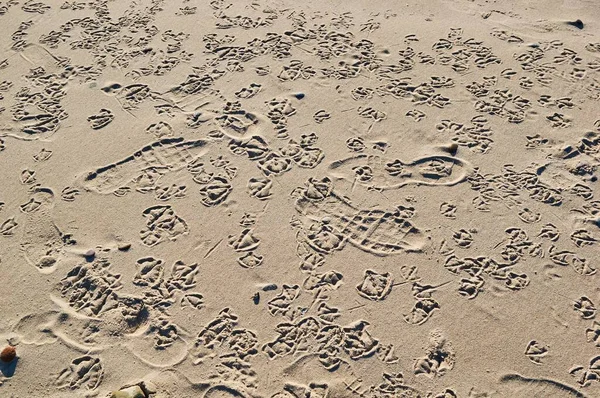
(540, 170)
(124, 247)
(578, 24)
(451, 149)
(269, 287)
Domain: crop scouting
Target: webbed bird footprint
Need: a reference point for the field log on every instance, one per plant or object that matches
(162, 223)
(85, 372)
(375, 286)
(536, 351)
(101, 119)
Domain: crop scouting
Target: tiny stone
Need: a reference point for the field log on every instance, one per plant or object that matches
(299, 95)
(124, 247)
(270, 286)
(578, 23)
(8, 354)
(129, 392)
(90, 253)
(453, 148)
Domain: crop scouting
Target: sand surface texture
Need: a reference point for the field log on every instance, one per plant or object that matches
(300, 199)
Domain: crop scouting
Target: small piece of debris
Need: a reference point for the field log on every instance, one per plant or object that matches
(124, 247)
(269, 287)
(578, 23)
(129, 392)
(8, 354)
(451, 149)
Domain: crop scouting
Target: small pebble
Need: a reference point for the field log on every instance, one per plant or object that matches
(8, 354)
(540, 170)
(90, 254)
(129, 392)
(299, 95)
(578, 23)
(451, 149)
(256, 298)
(124, 247)
(268, 287)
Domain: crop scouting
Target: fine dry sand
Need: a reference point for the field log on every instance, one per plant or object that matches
(300, 199)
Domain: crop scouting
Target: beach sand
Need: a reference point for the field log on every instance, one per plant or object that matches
(300, 199)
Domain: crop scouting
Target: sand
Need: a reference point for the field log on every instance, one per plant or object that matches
(300, 199)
